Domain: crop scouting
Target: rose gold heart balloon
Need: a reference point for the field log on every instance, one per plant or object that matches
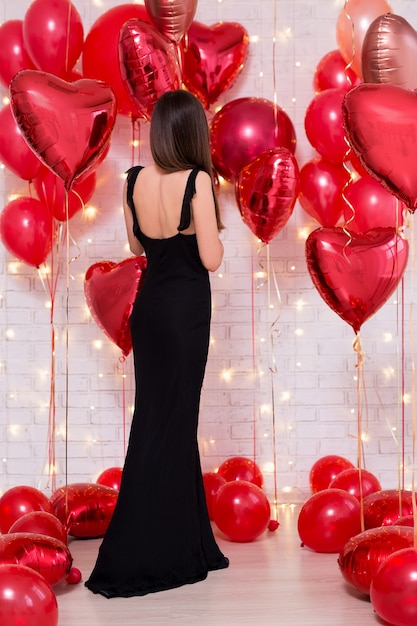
(389, 52)
(68, 125)
(213, 58)
(172, 17)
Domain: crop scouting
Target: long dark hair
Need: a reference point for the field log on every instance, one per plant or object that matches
(179, 136)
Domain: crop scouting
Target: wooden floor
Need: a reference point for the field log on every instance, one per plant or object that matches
(271, 581)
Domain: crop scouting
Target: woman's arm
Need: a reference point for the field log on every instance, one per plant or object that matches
(210, 247)
(134, 244)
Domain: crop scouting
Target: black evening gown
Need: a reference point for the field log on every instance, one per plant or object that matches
(160, 536)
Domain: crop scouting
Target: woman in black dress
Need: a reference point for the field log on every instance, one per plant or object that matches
(160, 535)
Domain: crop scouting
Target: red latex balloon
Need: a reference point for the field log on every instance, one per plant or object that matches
(323, 124)
(244, 129)
(405, 520)
(241, 511)
(74, 577)
(85, 509)
(328, 519)
(148, 65)
(26, 598)
(14, 151)
(266, 192)
(100, 59)
(111, 477)
(212, 483)
(85, 109)
(359, 483)
(13, 54)
(321, 186)
(51, 192)
(368, 205)
(26, 230)
(355, 275)
(332, 72)
(325, 469)
(214, 56)
(110, 290)
(53, 35)
(18, 501)
(42, 523)
(46, 555)
(384, 508)
(241, 468)
(172, 18)
(394, 588)
(381, 127)
(362, 555)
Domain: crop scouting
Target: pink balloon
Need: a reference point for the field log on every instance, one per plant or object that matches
(394, 588)
(266, 192)
(241, 468)
(325, 469)
(14, 150)
(27, 230)
(332, 72)
(172, 17)
(321, 187)
(18, 501)
(355, 274)
(51, 192)
(85, 109)
(359, 483)
(367, 204)
(111, 477)
(53, 35)
(13, 54)
(41, 523)
(241, 510)
(244, 129)
(324, 125)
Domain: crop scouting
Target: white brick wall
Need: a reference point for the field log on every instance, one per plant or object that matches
(314, 388)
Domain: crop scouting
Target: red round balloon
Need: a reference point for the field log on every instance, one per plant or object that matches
(358, 482)
(325, 469)
(332, 72)
(405, 520)
(51, 192)
(26, 598)
(385, 507)
(328, 519)
(241, 510)
(394, 588)
(17, 501)
(110, 290)
(362, 555)
(323, 124)
(244, 129)
(74, 577)
(15, 153)
(321, 186)
(13, 54)
(42, 523)
(241, 468)
(212, 483)
(111, 477)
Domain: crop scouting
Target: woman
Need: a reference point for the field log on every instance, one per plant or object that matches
(160, 535)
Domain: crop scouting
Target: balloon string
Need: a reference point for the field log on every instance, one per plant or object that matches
(359, 364)
(349, 65)
(253, 357)
(135, 141)
(68, 37)
(413, 391)
(121, 369)
(274, 73)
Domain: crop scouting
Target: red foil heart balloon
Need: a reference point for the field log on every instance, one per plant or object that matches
(381, 126)
(110, 290)
(213, 58)
(67, 125)
(355, 274)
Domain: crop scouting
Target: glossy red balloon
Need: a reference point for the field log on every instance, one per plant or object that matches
(358, 482)
(241, 510)
(332, 72)
(100, 59)
(85, 109)
(51, 192)
(14, 150)
(111, 477)
(323, 124)
(214, 56)
(46, 555)
(356, 274)
(266, 192)
(26, 598)
(148, 65)
(405, 520)
(244, 129)
(85, 509)
(328, 519)
(110, 290)
(325, 469)
(381, 127)
(241, 468)
(18, 501)
(42, 523)
(53, 35)
(26, 230)
(367, 204)
(385, 507)
(321, 186)
(394, 588)
(362, 555)
(13, 54)
(172, 18)
(212, 483)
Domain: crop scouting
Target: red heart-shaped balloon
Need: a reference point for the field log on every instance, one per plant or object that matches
(110, 290)
(381, 126)
(67, 125)
(213, 58)
(356, 273)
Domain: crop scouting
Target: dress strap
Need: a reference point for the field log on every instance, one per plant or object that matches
(132, 174)
(186, 203)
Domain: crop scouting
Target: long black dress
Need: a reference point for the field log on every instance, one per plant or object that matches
(160, 535)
